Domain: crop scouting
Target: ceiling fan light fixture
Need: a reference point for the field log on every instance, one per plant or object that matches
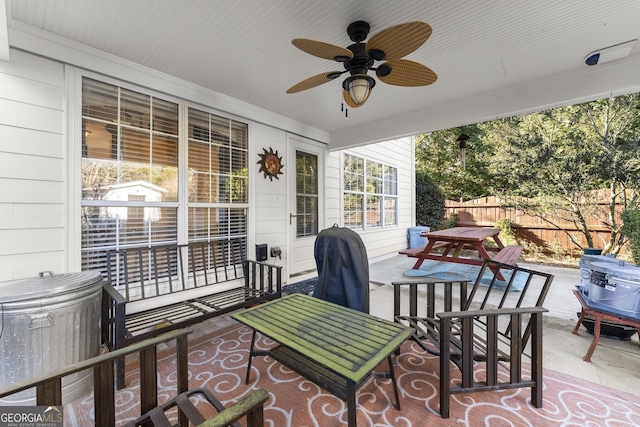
(359, 87)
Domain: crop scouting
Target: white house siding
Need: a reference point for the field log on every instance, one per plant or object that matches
(271, 211)
(380, 242)
(39, 220)
(32, 167)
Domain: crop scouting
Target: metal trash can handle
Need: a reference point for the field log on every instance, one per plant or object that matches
(42, 320)
(49, 272)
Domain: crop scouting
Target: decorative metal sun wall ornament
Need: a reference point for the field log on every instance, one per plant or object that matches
(270, 164)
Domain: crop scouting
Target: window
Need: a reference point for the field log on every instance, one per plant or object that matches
(130, 173)
(306, 194)
(218, 177)
(370, 193)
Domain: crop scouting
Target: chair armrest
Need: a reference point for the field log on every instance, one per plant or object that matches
(252, 403)
(491, 312)
(113, 293)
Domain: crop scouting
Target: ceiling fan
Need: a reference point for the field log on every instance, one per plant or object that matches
(389, 45)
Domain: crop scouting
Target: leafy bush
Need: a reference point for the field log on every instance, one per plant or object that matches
(429, 202)
(507, 230)
(448, 222)
(631, 229)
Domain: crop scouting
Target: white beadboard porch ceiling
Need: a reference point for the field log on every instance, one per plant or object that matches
(492, 58)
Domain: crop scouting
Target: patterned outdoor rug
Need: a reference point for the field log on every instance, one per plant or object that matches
(219, 363)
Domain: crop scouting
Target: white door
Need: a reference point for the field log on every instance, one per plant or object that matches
(306, 205)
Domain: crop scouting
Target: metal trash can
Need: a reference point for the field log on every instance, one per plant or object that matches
(616, 287)
(47, 323)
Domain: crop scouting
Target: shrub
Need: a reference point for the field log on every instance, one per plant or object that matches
(507, 230)
(429, 202)
(631, 229)
(448, 222)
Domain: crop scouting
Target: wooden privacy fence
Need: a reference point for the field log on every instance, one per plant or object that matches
(486, 211)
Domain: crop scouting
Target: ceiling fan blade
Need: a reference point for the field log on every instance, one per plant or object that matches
(398, 41)
(323, 50)
(349, 101)
(313, 81)
(402, 72)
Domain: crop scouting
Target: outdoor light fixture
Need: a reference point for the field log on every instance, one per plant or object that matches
(359, 88)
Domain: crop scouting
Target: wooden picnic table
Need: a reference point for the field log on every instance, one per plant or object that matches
(453, 241)
(336, 347)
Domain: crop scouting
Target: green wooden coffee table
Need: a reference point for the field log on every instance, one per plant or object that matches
(335, 347)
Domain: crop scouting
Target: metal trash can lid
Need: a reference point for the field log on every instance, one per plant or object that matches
(622, 270)
(47, 283)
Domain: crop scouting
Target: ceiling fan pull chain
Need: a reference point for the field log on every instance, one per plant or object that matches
(346, 110)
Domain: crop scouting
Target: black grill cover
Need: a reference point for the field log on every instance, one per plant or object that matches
(343, 268)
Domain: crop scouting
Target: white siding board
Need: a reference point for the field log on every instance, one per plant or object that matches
(31, 116)
(31, 240)
(25, 216)
(19, 166)
(32, 67)
(38, 216)
(15, 88)
(6, 268)
(29, 191)
(6, 216)
(29, 141)
(22, 266)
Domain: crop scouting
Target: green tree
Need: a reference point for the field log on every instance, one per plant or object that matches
(438, 154)
(552, 163)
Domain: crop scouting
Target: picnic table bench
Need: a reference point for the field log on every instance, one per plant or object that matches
(509, 254)
(415, 252)
(488, 328)
(154, 289)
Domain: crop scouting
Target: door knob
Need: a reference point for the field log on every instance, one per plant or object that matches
(291, 216)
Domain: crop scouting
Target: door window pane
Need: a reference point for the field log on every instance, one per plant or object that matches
(306, 194)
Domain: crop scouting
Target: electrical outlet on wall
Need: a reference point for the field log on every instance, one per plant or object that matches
(276, 252)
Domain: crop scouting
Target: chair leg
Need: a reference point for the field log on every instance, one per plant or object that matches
(445, 371)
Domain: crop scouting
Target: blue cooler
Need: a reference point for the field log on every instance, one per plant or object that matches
(413, 235)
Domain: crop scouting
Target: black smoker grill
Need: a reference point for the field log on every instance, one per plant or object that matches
(343, 268)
